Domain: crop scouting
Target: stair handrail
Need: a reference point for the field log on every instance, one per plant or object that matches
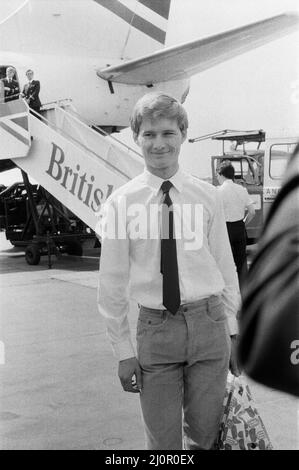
(65, 134)
(89, 122)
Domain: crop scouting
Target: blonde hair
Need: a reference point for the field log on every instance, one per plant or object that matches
(158, 105)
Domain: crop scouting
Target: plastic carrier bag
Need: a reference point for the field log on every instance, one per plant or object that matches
(241, 426)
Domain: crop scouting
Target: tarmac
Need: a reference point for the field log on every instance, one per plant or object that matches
(58, 378)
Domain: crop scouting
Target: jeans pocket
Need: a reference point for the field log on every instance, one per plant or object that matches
(215, 313)
(150, 319)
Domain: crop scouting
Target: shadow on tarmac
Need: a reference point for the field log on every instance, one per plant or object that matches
(12, 259)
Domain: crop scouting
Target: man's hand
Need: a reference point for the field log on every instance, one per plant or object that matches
(129, 374)
(233, 362)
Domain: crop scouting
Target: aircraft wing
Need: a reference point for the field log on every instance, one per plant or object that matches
(185, 60)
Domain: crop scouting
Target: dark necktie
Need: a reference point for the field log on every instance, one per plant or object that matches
(169, 263)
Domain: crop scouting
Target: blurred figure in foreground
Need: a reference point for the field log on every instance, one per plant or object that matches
(269, 321)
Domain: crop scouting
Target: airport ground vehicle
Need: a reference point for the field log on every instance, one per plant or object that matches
(259, 159)
(33, 218)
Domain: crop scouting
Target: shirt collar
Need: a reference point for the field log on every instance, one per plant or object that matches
(155, 182)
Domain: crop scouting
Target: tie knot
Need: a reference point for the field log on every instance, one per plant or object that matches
(165, 186)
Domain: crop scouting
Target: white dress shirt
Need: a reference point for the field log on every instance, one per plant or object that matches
(130, 262)
(235, 200)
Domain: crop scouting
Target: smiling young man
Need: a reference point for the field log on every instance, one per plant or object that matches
(187, 289)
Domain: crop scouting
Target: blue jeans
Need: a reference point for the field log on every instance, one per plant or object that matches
(184, 360)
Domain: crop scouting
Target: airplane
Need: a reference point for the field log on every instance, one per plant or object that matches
(105, 54)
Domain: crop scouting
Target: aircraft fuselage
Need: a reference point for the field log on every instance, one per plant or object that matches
(75, 78)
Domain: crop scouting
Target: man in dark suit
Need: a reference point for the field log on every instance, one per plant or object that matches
(31, 92)
(11, 86)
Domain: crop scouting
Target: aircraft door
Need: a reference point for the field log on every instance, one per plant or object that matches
(2, 76)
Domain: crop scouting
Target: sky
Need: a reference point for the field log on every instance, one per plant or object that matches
(257, 90)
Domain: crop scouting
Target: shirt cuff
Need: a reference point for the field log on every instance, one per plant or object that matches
(233, 327)
(124, 350)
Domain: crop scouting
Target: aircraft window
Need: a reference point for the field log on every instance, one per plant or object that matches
(279, 156)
